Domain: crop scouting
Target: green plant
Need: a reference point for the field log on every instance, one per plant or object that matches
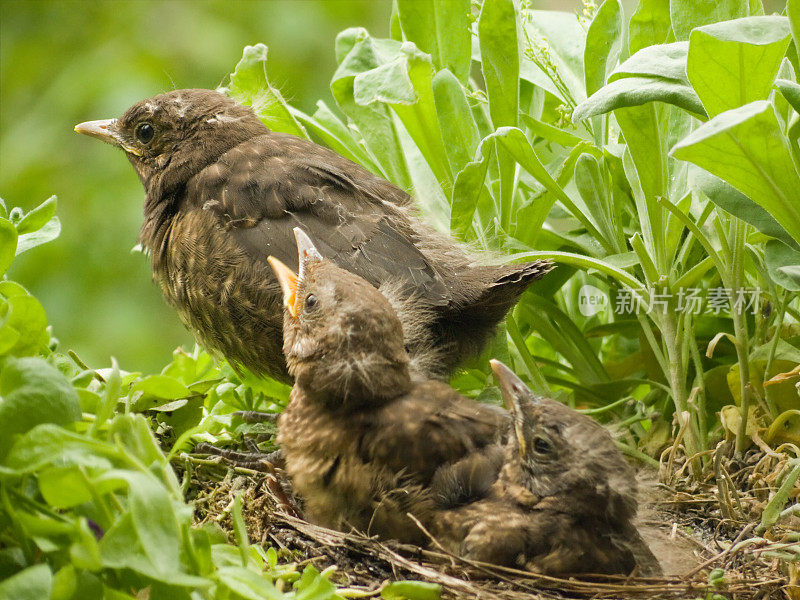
(573, 142)
(90, 506)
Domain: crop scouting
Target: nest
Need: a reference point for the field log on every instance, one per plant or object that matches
(686, 511)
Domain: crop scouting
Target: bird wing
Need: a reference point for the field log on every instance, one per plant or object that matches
(263, 188)
(432, 427)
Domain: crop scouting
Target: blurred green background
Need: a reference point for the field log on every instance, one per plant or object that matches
(65, 62)
(62, 62)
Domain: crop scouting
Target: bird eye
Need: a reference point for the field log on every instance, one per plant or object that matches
(542, 445)
(144, 132)
(310, 303)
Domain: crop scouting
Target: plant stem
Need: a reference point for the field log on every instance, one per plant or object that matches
(740, 329)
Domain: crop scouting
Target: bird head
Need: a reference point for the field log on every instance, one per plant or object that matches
(342, 340)
(557, 451)
(170, 137)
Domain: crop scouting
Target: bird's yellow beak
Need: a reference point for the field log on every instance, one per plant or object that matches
(511, 386)
(288, 280)
(106, 131)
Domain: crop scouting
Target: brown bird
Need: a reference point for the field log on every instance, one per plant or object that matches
(224, 193)
(362, 439)
(563, 502)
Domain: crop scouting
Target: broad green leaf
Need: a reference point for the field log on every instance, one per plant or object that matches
(635, 91)
(519, 148)
(8, 244)
(247, 584)
(403, 80)
(656, 73)
(36, 218)
(52, 444)
(644, 137)
(358, 52)
(249, 85)
(791, 91)
(733, 63)
(783, 265)
(24, 315)
(745, 147)
(736, 203)
(469, 190)
(411, 590)
(688, 14)
(162, 386)
(34, 583)
(442, 29)
(649, 25)
(497, 36)
(333, 133)
(132, 432)
(48, 232)
(603, 45)
(312, 585)
(793, 11)
(593, 190)
(455, 117)
(33, 392)
(148, 538)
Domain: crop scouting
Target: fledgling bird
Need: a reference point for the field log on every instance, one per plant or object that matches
(362, 439)
(224, 193)
(564, 500)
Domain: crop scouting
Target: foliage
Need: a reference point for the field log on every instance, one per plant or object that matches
(654, 158)
(90, 506)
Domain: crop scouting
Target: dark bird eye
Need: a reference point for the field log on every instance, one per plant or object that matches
(311, 302)
(144, 132)
(542, 445)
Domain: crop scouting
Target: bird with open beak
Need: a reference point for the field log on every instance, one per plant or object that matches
(224, 193)
(564, 500)
(362, 437)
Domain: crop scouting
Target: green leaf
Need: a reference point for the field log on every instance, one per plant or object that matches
(38, 217)
(469, 190)
(442, 29)
(688, 14)
(649, 25)
(603, 45)
(48, 232)
(247, 584)
(51, 444)
(735, 62)
(33, 392)
(249, 85)
(8, 244)
(161, 386)
(791, 91)
(497, 36)
(745, 147)
(25, 320)
(656, 73)
(359, 52)
(312, 585)
(736, 203)
(411, 590)
(783, 265)
(34, 583)
(454, 114)
(404, 82)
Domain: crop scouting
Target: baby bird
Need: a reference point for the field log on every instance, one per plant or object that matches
(563, 502)
(362, 439)
(224, 193)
